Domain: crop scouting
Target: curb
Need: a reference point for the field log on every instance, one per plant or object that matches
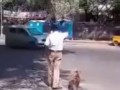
(87, 41)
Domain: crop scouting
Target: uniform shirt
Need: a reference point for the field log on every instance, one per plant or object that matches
(55, 40)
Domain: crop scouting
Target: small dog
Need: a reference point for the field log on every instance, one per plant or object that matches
(75, 81)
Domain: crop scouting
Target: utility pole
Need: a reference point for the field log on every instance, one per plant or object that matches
(1, 17)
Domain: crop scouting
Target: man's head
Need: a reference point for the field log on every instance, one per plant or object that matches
(62, 20)
(53, 18)
(54, 25)
(62, 17)
(54, 28)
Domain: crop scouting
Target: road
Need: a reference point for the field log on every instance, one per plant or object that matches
(99, 66)
(25, 69)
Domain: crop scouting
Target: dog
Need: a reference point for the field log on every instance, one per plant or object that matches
(75, 81)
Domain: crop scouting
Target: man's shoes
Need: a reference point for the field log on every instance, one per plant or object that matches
(49, 85)
(55, 88)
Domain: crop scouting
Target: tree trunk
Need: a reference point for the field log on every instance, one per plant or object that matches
(86, 15)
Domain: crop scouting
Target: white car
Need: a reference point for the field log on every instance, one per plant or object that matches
(22, 36)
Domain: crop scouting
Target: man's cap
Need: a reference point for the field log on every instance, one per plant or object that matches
(54, 26)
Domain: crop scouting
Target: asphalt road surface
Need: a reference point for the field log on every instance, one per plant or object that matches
(26, 69)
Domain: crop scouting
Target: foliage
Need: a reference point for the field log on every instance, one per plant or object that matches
(33, 5)
(83, 4)
(116, 4)
(61, 7)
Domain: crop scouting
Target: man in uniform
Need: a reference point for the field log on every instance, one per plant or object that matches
(54, 43)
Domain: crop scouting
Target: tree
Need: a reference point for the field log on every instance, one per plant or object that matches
(116, 10)
(34, 5)
(38, 4)
(116, 5)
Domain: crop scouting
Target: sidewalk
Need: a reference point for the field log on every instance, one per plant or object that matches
(2, 40)
(87, 41)
(2, 37)
(90, 44)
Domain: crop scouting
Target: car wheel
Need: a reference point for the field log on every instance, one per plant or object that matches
(116, 43)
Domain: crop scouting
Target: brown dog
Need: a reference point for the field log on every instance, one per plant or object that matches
(75, 81)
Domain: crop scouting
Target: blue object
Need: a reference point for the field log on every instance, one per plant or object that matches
(36, 26)
(70, 29)
(53, 25)
(66, 26)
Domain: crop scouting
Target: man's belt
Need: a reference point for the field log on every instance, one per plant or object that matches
(55, 50)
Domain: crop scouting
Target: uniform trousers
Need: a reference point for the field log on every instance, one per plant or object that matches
(54, 61)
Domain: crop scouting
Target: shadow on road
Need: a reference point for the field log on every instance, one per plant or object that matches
(65, 74)
(68, 52)
(23, 67)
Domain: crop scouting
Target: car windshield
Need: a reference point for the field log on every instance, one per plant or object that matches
(34, 31)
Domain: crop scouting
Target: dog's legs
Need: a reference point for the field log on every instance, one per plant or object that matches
(74, 87)
(70, 87)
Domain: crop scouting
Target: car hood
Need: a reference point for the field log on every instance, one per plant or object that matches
(41, 37)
